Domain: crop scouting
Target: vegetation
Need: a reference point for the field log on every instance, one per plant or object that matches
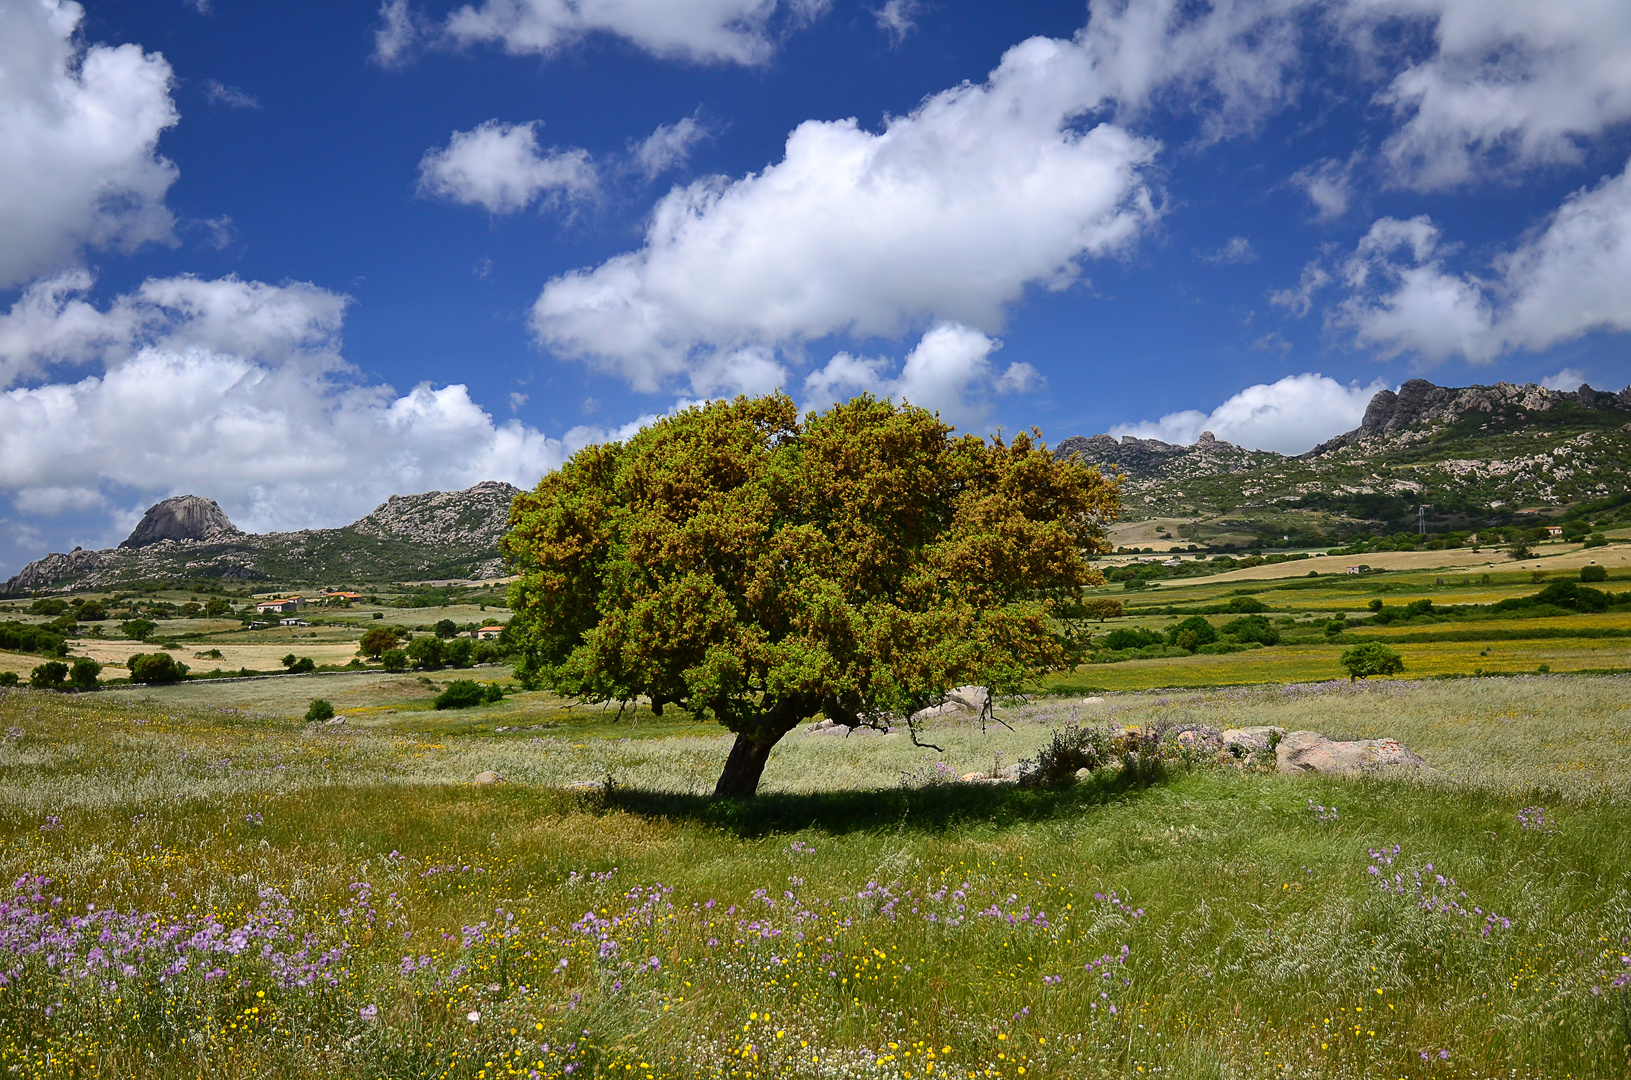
(743, 565)
(155, 668)
(320, 709)
(1371, 658)
(467, 693)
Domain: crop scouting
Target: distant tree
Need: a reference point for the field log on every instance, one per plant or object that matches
(376, 641)
(460, 652)
(303, 666)
(426, 653)
(394, 660)
(1371, 658)
(84, 673)
(217, 608)
(1519, 549)
(155, 668)
(289, 660)
(319, 710)
(1199, 631)
(65, 624)
(51, 675)
(138, 629)
(8, 678)
(91, 611)
(1249, 628)
(446, 628)
(1594, 573)
(739, 563)
(51, 607)
(1102, 609)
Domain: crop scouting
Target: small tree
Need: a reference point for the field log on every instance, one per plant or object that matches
(155, 668)
(394, 660)
(1371, 658)
(84, 673)
(376, 641)
(1192, 633)
(446, 628)
(426, 653)
(1519, 549)
(319, 710)
(138, 629)
(51, 675)
(747, 566)
(8, 678)
(460, 694)
(1594, 573)
(460, 652)
(1102, 609)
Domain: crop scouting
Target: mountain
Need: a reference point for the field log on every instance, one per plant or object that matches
(1476, 455)
(439, 534)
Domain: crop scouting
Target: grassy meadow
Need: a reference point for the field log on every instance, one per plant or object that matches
(213, 889)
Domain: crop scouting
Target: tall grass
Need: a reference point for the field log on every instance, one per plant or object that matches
(301, 902)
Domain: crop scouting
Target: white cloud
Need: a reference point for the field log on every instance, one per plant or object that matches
(233, 98)
(78, 135)
(1328, 185)
(702, 31)
(1566, 380)
(1508, 82)
(949, 371)
(898, 18)
(668, 147)
(499, 166)
(1568, 278)
(398, 30)
(235, 390)
(950, 212)
(1300, 300)
(1237, 249)
(1290, 416)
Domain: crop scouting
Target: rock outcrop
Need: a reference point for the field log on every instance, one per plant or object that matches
(181, 517)
(1311, 752)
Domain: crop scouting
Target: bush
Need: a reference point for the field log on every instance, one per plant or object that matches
(1594, 573)
(1248, 605)
(48, 607)
(20, 637)
(138, 629)
(1102, 609)
(1195, 632)
(155, 668)
(446, 628)
(84, 672)
(1597, 540)
(461, 694)
(1129, 638)
(1073, 747)
(1371, 658)
(51, 675)
(8, 678)
(319, 710)
(426, 653)
(376, 641)
(460, 652)
(1252, 628)
(394, 660)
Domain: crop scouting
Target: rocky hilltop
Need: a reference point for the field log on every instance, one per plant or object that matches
(1471, 455)
(439, 534)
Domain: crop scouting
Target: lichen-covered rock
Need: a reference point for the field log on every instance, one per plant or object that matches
(180, 517)
(1311, 752)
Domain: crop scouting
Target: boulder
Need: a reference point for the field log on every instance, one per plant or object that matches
(489, 777)
(182, 517)
(1199, 737)
(1311, 752)
(959, 700)
(1251, 740)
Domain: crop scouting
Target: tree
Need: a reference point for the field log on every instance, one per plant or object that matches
(1371, 658)
(138, 629)
(51, 675)
(1102, 609)
(8, 678)
(1519, 549)
(460, 694)
(460, 652)
(1199, 631)
(155, 668)
(426, 653)
(319, 710)
(84, 673)
(446, 628)
(1594, 573)
(743, 565)
(376, 641)
(394, 660)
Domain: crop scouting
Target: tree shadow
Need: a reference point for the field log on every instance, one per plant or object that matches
(936, 808)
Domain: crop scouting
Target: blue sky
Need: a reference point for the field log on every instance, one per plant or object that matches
(300, 257)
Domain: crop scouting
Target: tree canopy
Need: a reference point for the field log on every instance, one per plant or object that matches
(744, 565)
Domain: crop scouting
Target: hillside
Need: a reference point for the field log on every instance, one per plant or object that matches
(1477, 455)
(439, 534)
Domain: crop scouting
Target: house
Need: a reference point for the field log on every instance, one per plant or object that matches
(1554, 530)
(487, 633)
(1352, 570)
(1173, 562)
(281, 605)
(293, 622)
(336, 596)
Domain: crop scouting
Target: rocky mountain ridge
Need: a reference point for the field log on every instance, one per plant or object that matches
(437, 534)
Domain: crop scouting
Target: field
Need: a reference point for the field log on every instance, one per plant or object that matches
(219, 891)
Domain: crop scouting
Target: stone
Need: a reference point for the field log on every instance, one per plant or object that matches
(489, 777)
(181, 517)
(338, 721)
(1311, 752)
(1092, 701)
(1251, 740)
(1200, 737)
(959, 700)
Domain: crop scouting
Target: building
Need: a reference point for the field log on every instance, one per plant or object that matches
(336, 596)
(1554, 530)
(293, 622)
(487, 633)
(286, 605)
(1352, 570)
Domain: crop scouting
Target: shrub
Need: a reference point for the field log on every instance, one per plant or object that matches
(1129, 638)
(319, 710)
(446, 628)
(1594, 573)
(1201, 631)
(51, 675)
(155, 668)
(1102, 609)
(303, 666)
(459, 652)
(20, 637)
(8, 678)
(1252, 628)
(426, 653)
(1248, 605)
(460, 694)
(84, 672)
(1073, 747)
(48, 607)
(394, 660)
(138, 629)
(1597, 540)
(376, 641)
(1371, 658)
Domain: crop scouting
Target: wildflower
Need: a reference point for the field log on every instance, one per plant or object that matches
(473, 1015)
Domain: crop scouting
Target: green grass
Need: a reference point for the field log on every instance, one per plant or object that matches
(791, 934)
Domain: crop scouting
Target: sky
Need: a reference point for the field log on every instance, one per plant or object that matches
(298, 257)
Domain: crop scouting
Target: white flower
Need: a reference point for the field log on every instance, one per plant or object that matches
(472, 1016)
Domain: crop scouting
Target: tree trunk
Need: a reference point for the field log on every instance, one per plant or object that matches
(740, 778)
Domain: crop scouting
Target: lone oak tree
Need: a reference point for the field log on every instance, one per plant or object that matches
(735, 562)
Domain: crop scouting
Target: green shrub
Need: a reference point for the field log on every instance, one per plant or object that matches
(1371, 658)
(376, 641)
(460, 652)
(1597, 540)
(51, 675)
(394, 660)
(1199, 631)
(426, 653)
(446, 628)
(1594, 573)
(461, 694)
(138, 629)
(1252, 628)
(84, 673)
(1133, 637)
(155, 668)
(8, 678)
(319, 710)
(48, 607)
(1248, 605)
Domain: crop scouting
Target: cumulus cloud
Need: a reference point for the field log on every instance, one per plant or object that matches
(701, 31)
(235, 390)
(1570, 277)
(949, 371)
(668, 147)
(949, 213)
(79, 130)
(1290, 416)
(499, 166)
